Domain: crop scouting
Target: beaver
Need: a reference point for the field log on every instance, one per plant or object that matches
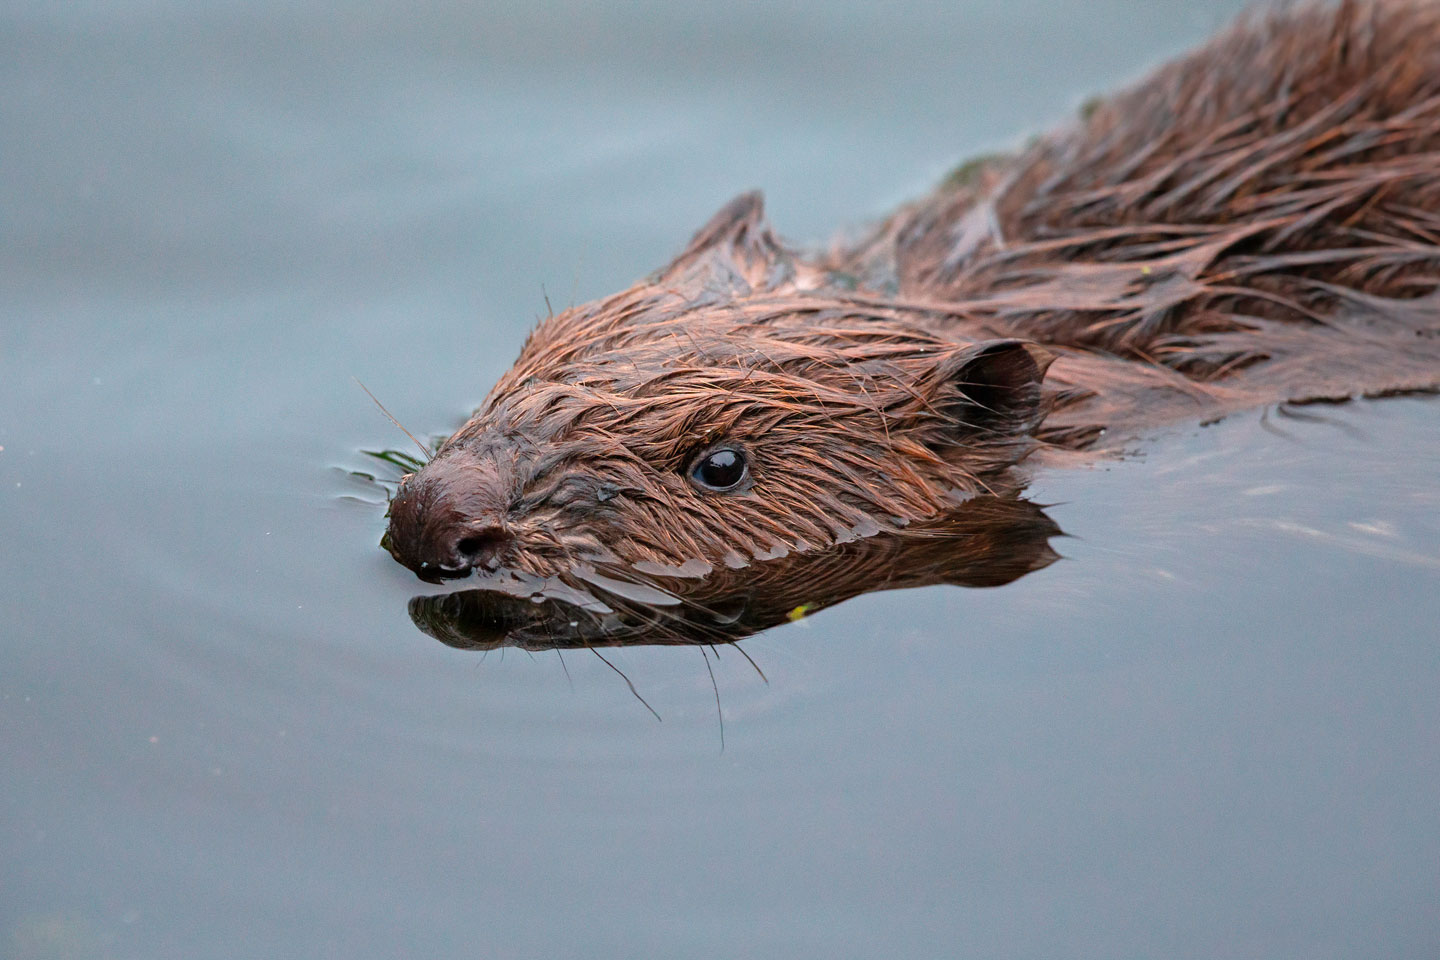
(1256, 222)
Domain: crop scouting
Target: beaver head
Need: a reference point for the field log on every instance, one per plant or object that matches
(724, 410)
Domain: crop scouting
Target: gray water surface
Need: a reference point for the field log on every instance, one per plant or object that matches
(1211, 731)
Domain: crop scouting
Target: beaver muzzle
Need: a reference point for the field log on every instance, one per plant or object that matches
(449, 519)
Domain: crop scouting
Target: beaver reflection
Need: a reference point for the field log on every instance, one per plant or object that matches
(987, 541)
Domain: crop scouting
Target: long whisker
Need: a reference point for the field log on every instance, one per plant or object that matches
(716, 687)
(736, 645)
(566, 669)
(424, 450)
(627, 681)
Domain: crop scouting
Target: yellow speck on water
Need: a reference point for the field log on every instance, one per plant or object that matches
(799, 612)
(1145, 271)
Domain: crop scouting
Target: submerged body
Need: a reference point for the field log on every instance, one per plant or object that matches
(1258, 222)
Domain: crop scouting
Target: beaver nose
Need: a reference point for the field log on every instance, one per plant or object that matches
(450, 517)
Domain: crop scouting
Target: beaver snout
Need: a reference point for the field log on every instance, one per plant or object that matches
(448, 520)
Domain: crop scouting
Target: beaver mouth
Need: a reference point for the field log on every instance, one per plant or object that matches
(436, 573)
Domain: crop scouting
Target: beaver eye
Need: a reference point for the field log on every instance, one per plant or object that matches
(720, 470)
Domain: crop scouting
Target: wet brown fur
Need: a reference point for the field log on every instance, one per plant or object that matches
(1269, 204)
(1257, 222)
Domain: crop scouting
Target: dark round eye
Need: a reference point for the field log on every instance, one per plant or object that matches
(723, 469)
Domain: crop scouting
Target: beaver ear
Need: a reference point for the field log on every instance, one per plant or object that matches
(994, 388)
(734, 254)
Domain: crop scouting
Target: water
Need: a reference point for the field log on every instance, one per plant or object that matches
(1210, 731)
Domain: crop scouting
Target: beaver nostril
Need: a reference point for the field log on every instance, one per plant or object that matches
(482, 548)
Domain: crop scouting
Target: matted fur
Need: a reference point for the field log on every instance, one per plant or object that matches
(1274, 196)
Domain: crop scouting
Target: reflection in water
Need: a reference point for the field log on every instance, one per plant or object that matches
(987, 541)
